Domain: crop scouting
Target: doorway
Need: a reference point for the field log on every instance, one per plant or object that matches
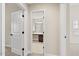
(14, 30)
(37, 45)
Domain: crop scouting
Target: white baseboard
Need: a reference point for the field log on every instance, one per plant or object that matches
(26, 54)
(48, 54)
(16, 51)
(7, 45)
(29, 52)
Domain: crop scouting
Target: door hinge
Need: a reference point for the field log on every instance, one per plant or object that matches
(22, 51)
(23, 32)
(43, 46)
(11, 34)
(22, 15)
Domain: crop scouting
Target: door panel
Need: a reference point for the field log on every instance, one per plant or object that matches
(17, 27)
(73, 40)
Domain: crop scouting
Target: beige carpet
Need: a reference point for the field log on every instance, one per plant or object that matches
(37, 50)
(8, 52)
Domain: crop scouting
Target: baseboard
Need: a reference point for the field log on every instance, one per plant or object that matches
(7, 45)
(16, 51)
(48, 54)
(29, 52)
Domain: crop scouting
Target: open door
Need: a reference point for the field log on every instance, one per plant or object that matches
(73, 30)
(69, 26)
(17, 32)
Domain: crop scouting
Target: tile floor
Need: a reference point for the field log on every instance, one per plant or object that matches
(37, 48)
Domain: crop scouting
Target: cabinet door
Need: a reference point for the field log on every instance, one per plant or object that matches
(40, 38)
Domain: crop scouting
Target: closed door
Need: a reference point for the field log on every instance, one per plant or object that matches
(17, 32)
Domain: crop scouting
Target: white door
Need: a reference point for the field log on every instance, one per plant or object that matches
(17, 32)
(69, 22)
(73, 30)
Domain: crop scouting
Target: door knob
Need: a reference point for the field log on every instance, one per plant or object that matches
(65, 37)
(11, 34)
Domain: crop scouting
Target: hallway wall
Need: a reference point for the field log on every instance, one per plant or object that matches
(0, 29)
(52, 26)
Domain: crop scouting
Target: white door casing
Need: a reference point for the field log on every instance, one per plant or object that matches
(0, 29)
(63, 29)
(3, 29)
(43, 25)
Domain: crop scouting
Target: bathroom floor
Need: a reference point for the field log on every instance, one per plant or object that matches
(37, 48)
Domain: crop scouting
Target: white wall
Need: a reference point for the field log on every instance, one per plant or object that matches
(9, 8)
(0, 29)
(52, 26)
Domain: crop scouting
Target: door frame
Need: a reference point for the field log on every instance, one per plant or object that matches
(3, 29)
(26, 28)
(43, 30)
(63, 33)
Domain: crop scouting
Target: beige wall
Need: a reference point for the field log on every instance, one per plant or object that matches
(52, 26)
(9, 8)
